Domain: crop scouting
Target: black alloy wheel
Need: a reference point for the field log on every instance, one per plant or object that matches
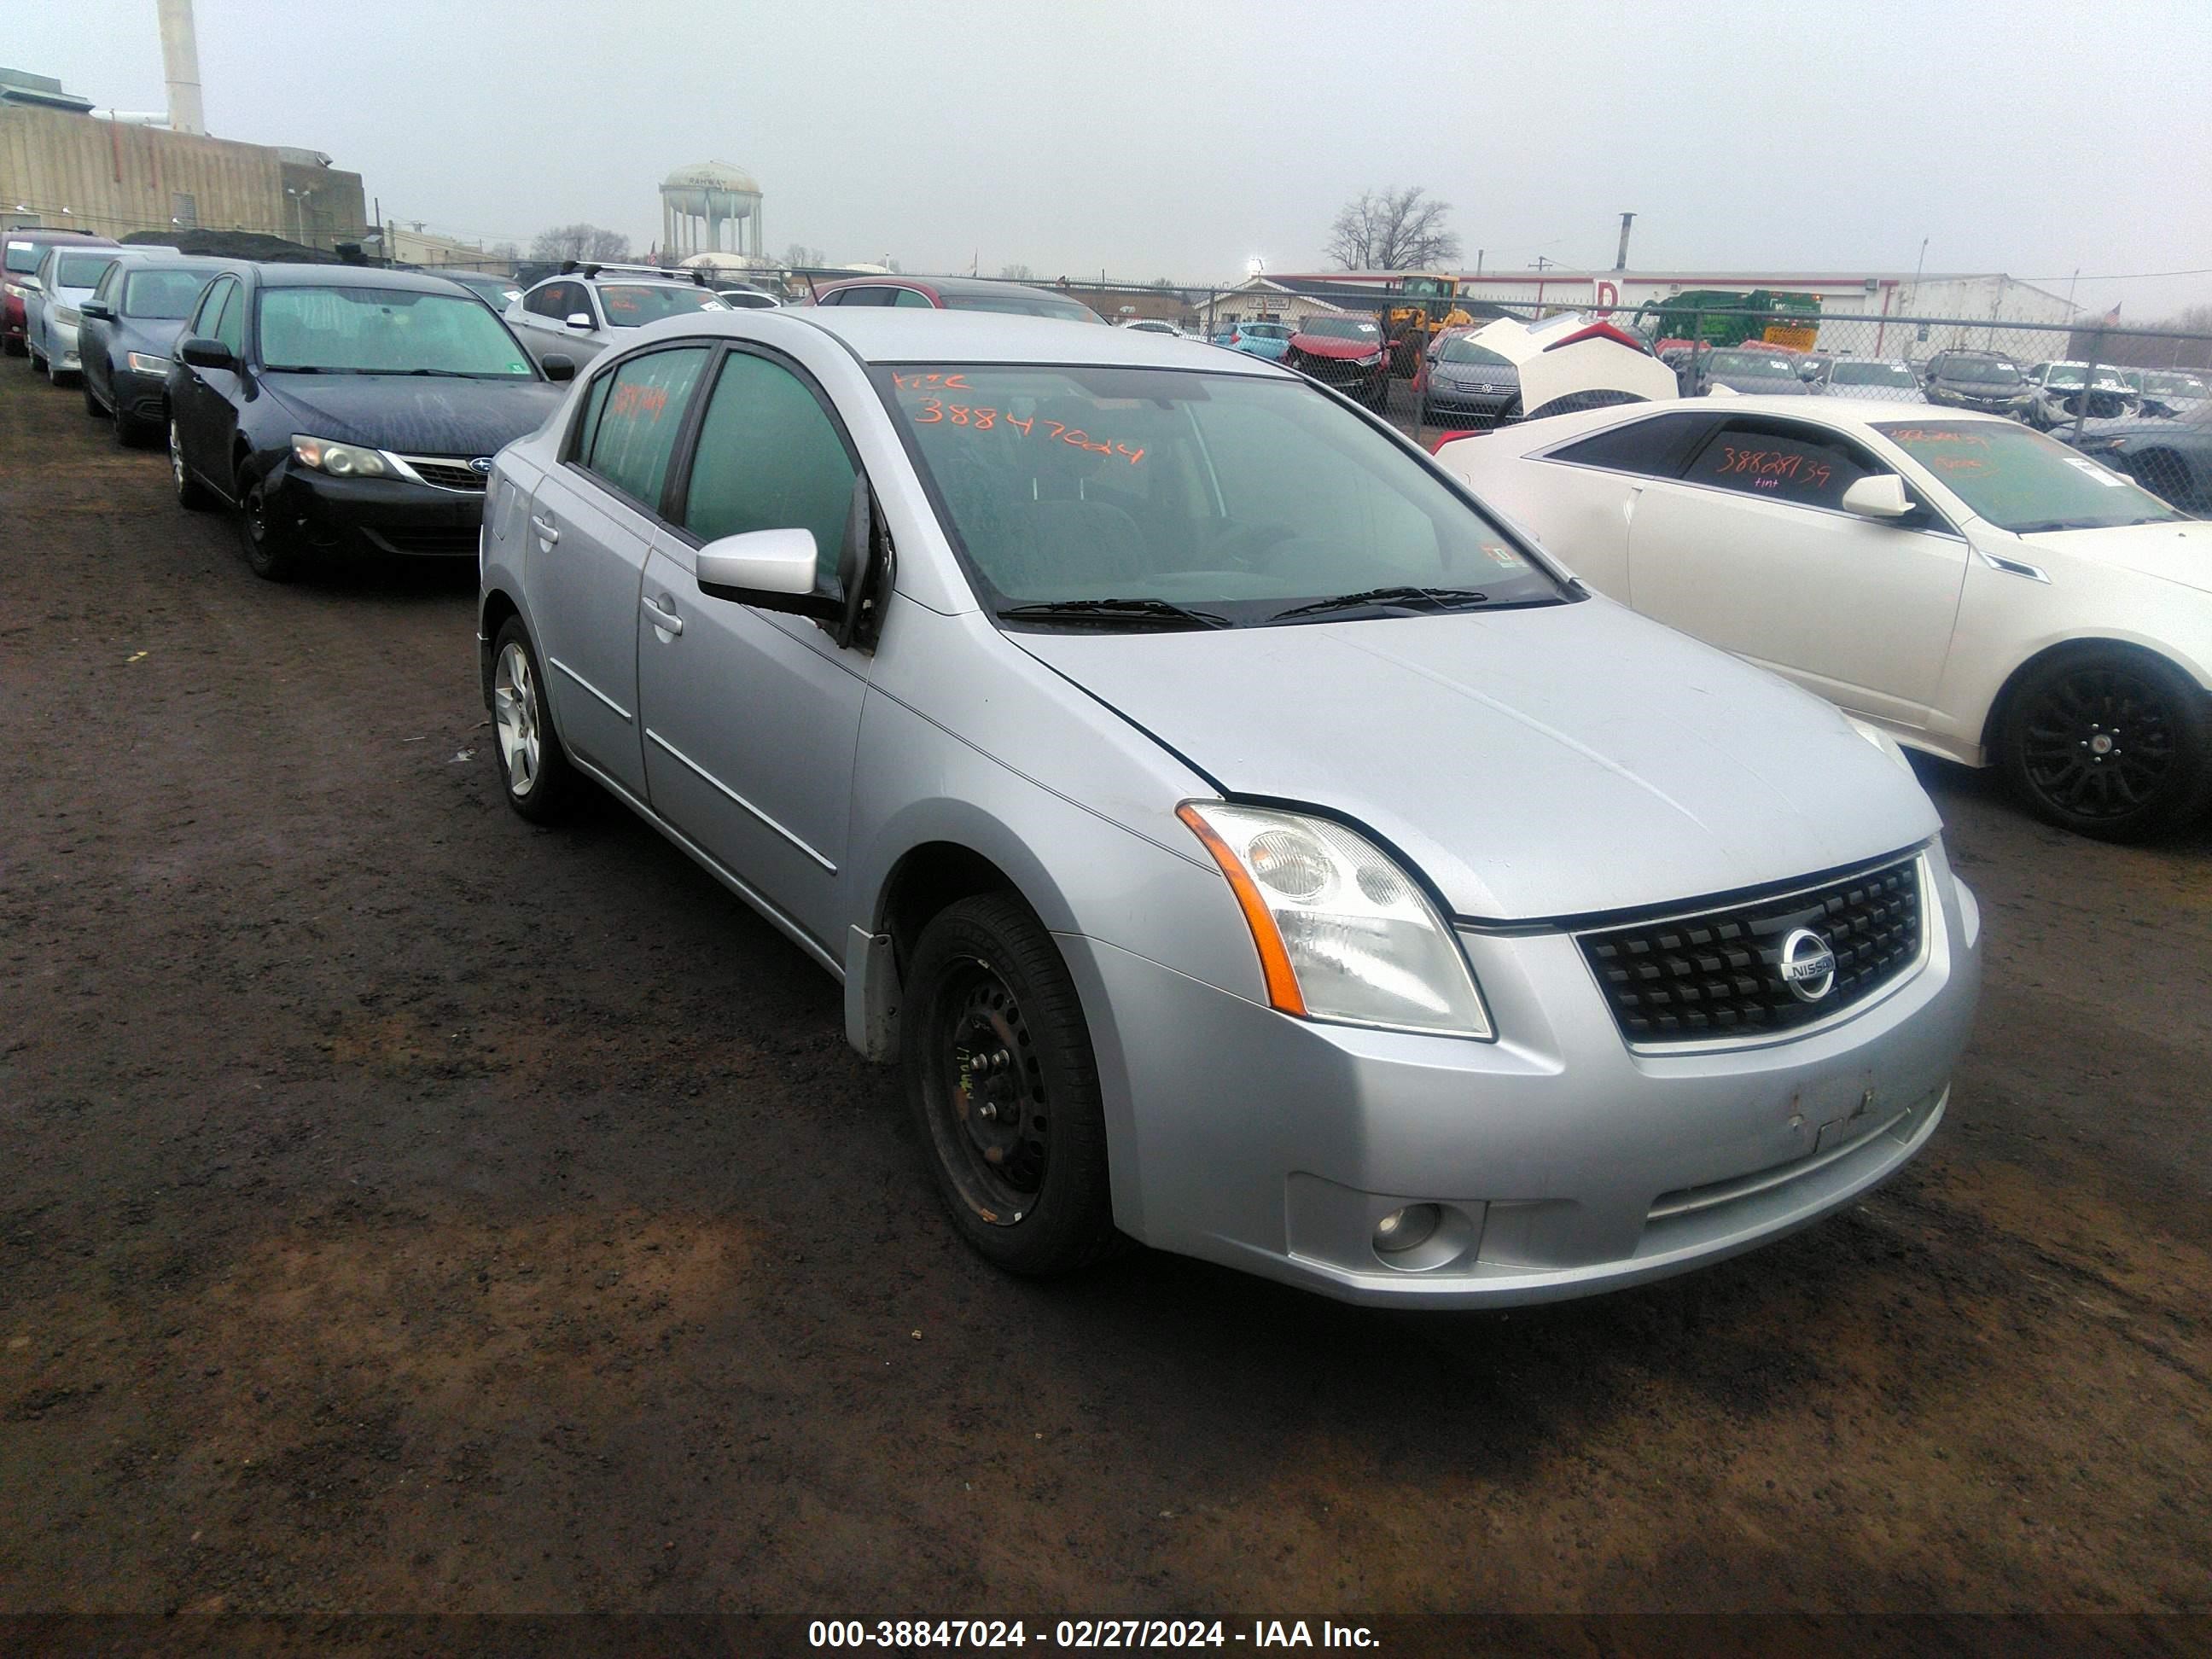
(2112, 744)
(1001, 1075)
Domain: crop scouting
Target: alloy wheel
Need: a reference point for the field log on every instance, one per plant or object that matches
(2099, 743)
(514, 709)
(997, 1120)
(177, 457)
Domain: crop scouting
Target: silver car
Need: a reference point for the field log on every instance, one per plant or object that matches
(1240, 839)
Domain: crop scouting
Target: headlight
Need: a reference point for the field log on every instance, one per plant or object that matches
(1371, 360)
(146, 363)
(1881, 740)
(68, 316)
(339, 460)
(1343, 933)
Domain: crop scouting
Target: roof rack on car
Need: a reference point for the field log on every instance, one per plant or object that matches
(588, 269)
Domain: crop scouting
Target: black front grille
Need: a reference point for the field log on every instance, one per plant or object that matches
(446, 474)
(1717, 973)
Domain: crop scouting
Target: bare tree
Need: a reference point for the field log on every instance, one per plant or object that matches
(799, 257)
(579, 241)
(1017, 273)
(1392, 229)
(504, 251)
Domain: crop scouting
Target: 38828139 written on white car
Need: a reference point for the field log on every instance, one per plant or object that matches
(1970, 586)
(1240, 839)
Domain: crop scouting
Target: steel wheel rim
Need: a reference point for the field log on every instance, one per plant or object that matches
(994, 1118)
(514, 710)
(2099, 743)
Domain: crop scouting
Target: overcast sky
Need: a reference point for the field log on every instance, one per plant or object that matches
(1159, 139)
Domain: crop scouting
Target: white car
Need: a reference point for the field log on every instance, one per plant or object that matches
(584, 308)
(1982, 592)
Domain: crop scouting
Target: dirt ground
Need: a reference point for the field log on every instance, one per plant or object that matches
(406, 1209)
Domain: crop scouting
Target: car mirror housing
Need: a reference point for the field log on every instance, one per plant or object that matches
(558, 366)
(202, 352)
(771, 569)
(1878, 496)
(98, 310)
(580, 319)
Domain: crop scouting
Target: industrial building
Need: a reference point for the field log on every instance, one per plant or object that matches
(63, 162)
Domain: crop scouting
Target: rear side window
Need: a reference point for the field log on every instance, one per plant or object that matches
(1782, 461)
(1655, 448)
(865, 296)
(631, 432)
(768, 457)
(909, 296)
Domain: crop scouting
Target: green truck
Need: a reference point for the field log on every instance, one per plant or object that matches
(1731, 317)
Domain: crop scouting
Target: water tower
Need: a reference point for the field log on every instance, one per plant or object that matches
(697, 201)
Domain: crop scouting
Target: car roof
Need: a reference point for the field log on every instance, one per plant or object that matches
(890, 334)
(307, 275)
(207, 261)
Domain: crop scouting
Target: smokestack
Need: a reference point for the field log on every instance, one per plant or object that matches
(1620, 259)
(181, 66)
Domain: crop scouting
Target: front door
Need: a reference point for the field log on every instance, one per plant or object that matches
(1750, 551)
(207, 416)
(592, 522)
(752, 717)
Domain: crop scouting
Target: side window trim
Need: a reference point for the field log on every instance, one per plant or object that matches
(679, 493)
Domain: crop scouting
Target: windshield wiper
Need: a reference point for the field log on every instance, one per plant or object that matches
(1110, 612)
(448, 374)
(1432, 598)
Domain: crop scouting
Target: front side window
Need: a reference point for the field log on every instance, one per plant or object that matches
(381, 331)
(1238, 496)
(768, 457)
(162, 293)
(2022, 481)
(911, 298)
(1780, 461)
(547, 302)
(633, 305)
(631, 431)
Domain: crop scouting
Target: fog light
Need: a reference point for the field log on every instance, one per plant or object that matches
(1406, 1229)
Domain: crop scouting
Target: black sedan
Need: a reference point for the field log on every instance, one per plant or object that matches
(2172, 458)
(340, 408)
(129, 336)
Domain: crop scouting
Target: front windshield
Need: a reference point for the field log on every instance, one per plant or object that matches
(383, 330)
(1342, 328)
(1228, 494)
(82, 270)
(2176, 385)
(1024, 305)
(2022, 481)
(1464, 351)
(633, 305)
(1990, 370)
(1753, 365)
(162, 294)
(1875, 374)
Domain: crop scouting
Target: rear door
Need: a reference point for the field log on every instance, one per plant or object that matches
(592, 521)
(1750, 551)
(752, 717)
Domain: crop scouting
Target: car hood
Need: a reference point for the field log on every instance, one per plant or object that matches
(1533, 763)
(2177, 552)
(1328, 345)
(414, 417)
(157, 334)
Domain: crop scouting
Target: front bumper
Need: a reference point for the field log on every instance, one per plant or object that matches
(2019, 408)
(384, 516)
(1565, 1162)
(141, 396)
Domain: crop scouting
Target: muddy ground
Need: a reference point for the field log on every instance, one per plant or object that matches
(406, 1209)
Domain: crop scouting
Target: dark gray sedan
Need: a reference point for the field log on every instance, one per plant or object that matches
(1747, 369)
(2172, 458)
(130, 325)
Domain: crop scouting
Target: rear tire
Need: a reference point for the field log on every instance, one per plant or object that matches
(534, 771)
(2109, 743)
(999, 1074)
(192, 495)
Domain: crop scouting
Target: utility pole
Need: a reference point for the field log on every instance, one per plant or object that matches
(1620, 259)
(1916, 266)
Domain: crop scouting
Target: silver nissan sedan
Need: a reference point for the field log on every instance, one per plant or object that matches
(1241, 839)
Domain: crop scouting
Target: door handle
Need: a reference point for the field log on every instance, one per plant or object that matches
(666, 621)
(546, 528)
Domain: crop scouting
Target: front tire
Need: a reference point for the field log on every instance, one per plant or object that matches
(272, 551)
(999, 1074)
(534, 771)
(2110, 743)
(94, 410)
(192, 495)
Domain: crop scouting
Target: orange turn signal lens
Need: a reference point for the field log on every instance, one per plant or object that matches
(1274, 961)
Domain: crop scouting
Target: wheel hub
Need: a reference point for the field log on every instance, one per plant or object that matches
(994, 1096)
(514, 710)
(2100, 743)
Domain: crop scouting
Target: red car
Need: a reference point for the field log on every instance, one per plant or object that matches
(1347, 352)
(25, 248)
